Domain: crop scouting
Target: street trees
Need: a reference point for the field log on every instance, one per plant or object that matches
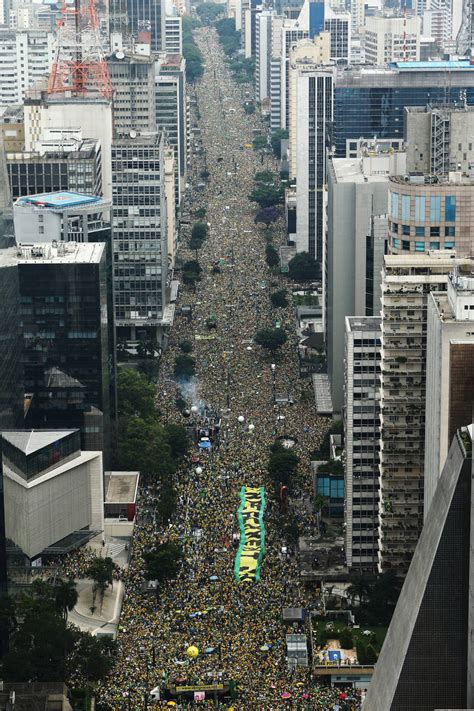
(303, 267)
(259, 143)
(191, 52)
(229, 37)
(101, 571)
(136, 395)
(271, 256)
(163, 562)
(184, 366)
(278, 299)
(144, 447)
(264, 176)
(267, 215)
(208, 11)
(282, 466)
(65, 595)
(200, 213)
(191, 271)
(270, 338)
(199, 231)
(266, 195)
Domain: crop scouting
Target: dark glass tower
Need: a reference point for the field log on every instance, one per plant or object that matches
(147, 15)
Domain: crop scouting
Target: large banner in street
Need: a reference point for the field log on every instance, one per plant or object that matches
(252, 534)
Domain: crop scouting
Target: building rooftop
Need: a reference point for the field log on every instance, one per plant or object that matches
(60, 253)
(367, 323)
(30, 441)
(434, 65)
(61, 200)
(431, 258)
(351, 170)
(121, 487)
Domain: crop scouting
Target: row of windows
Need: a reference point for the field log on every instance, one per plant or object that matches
(402, 205)
(419, 231)
(421, 246)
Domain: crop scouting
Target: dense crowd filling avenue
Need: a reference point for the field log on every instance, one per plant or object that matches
(237, 627)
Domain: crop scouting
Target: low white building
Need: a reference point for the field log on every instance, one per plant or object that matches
(53, 491)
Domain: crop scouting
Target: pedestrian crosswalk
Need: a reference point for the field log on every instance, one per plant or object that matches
(114, 549)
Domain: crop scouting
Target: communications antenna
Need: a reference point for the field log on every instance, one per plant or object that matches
(79, 66)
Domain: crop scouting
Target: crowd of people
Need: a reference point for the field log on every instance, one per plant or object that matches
(237, 628)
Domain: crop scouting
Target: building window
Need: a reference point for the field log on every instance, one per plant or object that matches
(406, 208)
(395, 242)
(419, 231)
(450, 231)
(434, 245)
(434, 232)
(449, 245)
(435, 208)
(420, 207)
(394, 204)
(394, 227)
(419, 246)
(405, 229)
(450, 208)
(406, 245)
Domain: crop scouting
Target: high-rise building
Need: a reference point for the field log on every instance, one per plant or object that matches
(407, 282)
(61, 217)
(173, 34)
(427, 658)
(140, 249)
(361, 441)
(356, 244)
(171, 112)
(263, 51)
(449, 372)
(389, 39)
(371, 102)
(148, 15)
(426, 213)
(133, 83)
(62, 160)
(313, 92)
(90, 113)
(338, 24)
(67, 355)
(25, 57)
(439, 139)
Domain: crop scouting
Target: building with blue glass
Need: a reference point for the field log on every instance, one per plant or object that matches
(370, 101)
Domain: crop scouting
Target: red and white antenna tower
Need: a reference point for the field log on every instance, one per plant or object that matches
(79, 66)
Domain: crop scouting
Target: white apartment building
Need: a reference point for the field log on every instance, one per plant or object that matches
(361, 440)
(389, 39)
(263, 51)
(173, 34)
(26, 57)
(449, 371)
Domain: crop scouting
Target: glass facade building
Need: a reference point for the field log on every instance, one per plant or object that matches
(67, 356)
(371, 101)
(147, 15)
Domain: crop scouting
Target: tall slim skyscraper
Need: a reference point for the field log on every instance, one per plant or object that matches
(148, 15)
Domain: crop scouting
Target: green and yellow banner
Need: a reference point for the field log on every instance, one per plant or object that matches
(252, 534)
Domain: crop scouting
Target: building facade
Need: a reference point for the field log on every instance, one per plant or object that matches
(68, 358)
(139, 246)
(361, 441)
(133, 82)
(263, 51)
(449, 372)
(25, 57)
(389, 39)
(148, 15)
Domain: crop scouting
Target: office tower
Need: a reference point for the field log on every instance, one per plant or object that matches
(67, 354)
(148, 15)
(250, 11)
(427, 658)
(357, 10)
(54, 496)
(313, 94)
(173, 34)
(61, 160)
(389, 39)
(425, 213)
(61, 217)
(305, 53)
(275, 73)
(25, 57)
(133, 82)
(338, 24)
(449, 371)
(263, 51)
(90, 113)
(12, 128)
(356, 244)
(439, 139)
(170, 193)
(362, 441)
(139, 247)
(371, 102)
(171, 112)
(407, 281)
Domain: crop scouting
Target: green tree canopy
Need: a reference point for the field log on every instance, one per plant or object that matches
(191, 271)
(178, 440)
(199, 231)
(208, 11)
(267, 195)
(271, 338)
(163, 562)
(279, 299)
(144, 447)
(259, 143)
(271, 256)
(136, 395)
(264, 176)
(282, 466)
(303, 267)
(184, 366)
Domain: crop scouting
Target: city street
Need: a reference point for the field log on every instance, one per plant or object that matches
(237, 627)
